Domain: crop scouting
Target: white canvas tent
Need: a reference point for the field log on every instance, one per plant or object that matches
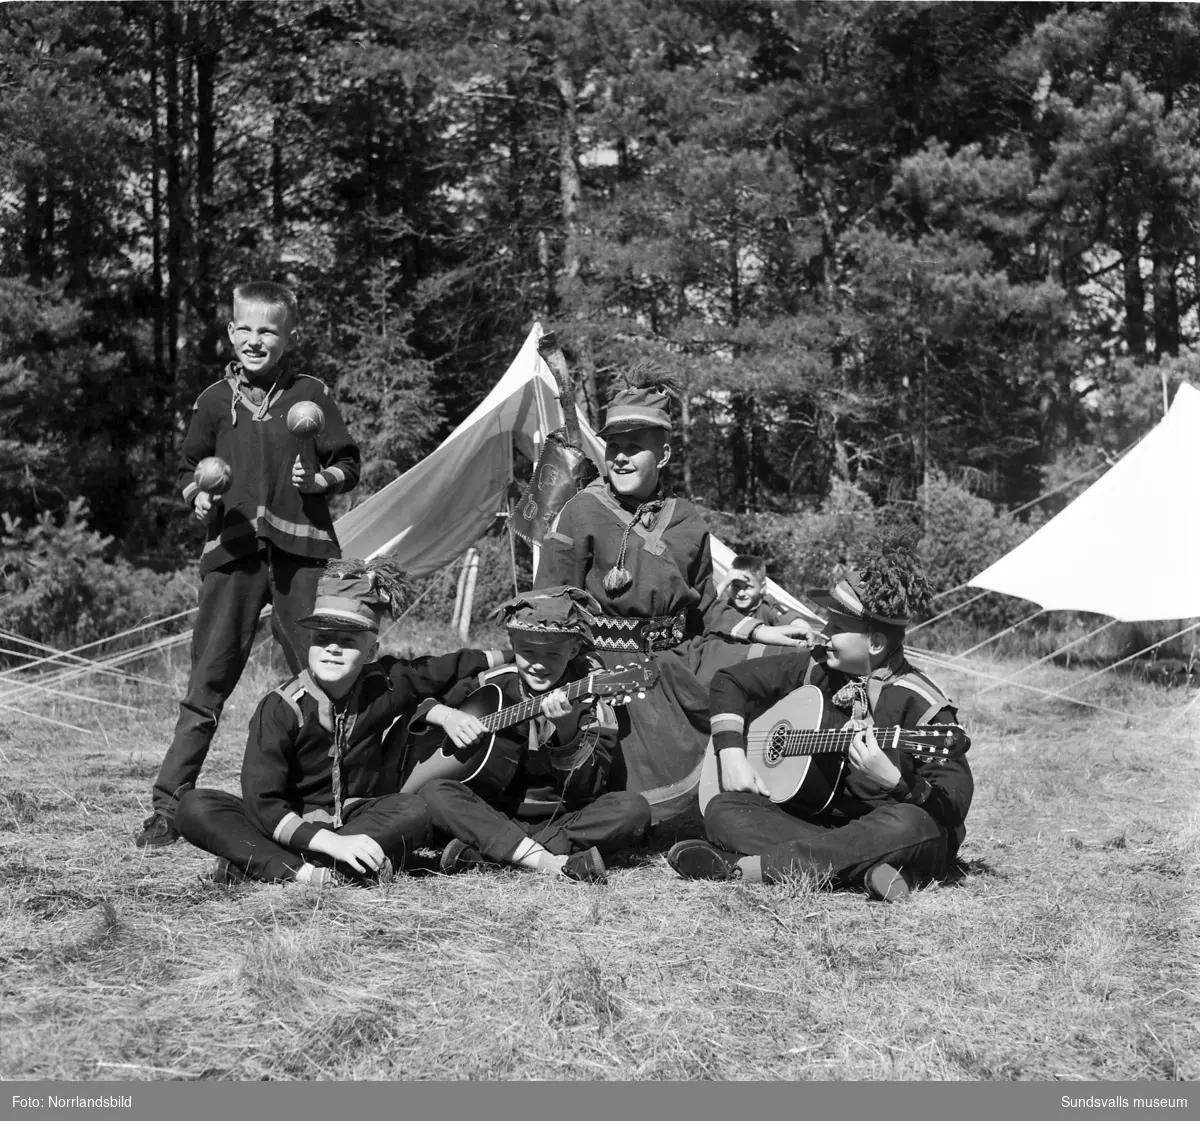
(1129, 546)
(432, 513)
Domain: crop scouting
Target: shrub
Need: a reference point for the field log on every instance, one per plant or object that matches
(58, 587)
(962, 535)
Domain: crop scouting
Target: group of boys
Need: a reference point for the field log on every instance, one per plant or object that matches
(625, 576)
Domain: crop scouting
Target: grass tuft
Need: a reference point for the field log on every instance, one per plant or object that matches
(1064, 948)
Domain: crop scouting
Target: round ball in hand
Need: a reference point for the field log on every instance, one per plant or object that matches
(214, 475)
(306, 420)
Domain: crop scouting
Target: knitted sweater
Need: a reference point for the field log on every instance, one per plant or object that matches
(262, 505)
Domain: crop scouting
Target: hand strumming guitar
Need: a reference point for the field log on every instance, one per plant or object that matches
(462, 728)
(737, 774)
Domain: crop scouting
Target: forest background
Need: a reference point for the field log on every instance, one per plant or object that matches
(911, 262)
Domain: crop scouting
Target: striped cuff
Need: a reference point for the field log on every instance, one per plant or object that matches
(745, 628)
(728, 730)
(728, 722)
(189, 493)
(497, 657)
(334, 479)
(286, 829)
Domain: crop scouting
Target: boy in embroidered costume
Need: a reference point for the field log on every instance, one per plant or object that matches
(312, 775)
(645, 557)
(554, 815)
(893, 822)
(268, 537)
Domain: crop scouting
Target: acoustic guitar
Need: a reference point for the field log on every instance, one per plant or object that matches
(492, 761)
(799, 759)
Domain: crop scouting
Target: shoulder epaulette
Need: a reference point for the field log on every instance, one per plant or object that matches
(925, 688)
(291, 692)
(496, 672)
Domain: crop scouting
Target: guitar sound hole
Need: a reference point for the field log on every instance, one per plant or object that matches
(776, 745)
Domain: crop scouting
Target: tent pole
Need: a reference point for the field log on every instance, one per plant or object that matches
(458, 595)
(471, 568)
(1048, 657)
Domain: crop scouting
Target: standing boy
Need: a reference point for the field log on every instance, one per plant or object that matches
(645, 557)
(314, 769)
(554, 815)
(892, 824)
(268, 537)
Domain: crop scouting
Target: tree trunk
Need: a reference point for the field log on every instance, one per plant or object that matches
(175, 209)
(568, 177)
(31, 245)
(204, 43)
(1134, 289)
(159, 380)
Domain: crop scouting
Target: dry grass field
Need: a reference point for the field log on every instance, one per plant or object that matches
(1067, 950)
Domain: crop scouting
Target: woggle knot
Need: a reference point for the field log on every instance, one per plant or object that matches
(618, 578)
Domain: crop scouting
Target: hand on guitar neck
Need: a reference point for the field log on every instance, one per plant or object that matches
(464, 728)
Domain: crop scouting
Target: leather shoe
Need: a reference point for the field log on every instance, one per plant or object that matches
(586, 866)
(887, 883)
(695, 859)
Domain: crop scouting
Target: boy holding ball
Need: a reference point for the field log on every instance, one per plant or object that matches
(268, 535)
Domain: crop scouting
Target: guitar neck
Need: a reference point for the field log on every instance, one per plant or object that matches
(827, 741)
(527, 709)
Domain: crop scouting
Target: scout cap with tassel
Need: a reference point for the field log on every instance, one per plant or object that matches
(356, 595)
(888, 587)
(559, 610)
(642, 400)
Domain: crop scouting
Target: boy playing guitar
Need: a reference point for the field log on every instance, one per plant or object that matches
(551, 814)
(884, 821)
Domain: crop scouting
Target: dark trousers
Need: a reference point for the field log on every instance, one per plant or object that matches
(231, 598)
(612, 822)
(216, 822)
(897, 833)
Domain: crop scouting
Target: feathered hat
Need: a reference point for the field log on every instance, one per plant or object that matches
(642, 400)
(355, 595)
(556, 610)
(889, 585)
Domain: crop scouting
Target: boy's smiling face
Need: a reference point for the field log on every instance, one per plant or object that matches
(634, 460)
(542, 658)
(337, 657)
(260, 335)
(746, 590)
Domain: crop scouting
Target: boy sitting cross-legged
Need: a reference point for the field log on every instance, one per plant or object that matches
(892, 823)
(313, 774)
(554, 815)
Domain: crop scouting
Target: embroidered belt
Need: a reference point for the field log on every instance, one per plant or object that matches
(639, 635)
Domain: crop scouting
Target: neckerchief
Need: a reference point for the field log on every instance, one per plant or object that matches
(242, 388)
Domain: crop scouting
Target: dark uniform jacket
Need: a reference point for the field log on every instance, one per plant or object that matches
(287, 771)
(561, 762)
(901, 696)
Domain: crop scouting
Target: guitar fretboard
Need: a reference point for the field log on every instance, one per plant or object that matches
(525, 710)
(823, 741)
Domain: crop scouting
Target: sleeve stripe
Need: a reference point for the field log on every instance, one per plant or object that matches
(287, 828)
(190, 492)
(494, 658)
(728, 722)
(745, 628)
(926, 694)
